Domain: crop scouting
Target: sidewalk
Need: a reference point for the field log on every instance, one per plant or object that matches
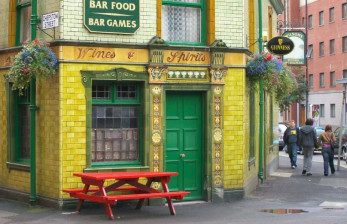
(324, 200)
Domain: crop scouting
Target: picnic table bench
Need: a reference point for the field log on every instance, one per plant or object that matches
(124, 181)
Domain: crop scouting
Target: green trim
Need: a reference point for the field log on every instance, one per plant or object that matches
(119, 75)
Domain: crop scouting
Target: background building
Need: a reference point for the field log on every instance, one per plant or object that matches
(326, 56)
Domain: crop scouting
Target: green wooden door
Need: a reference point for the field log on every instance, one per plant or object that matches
(184, 145)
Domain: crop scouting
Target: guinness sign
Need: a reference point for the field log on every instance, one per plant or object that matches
(280, 45)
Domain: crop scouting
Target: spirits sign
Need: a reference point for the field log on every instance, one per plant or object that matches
(112, 16)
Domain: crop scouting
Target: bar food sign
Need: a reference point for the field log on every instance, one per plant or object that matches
(112, 16)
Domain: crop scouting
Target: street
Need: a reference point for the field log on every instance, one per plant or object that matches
(318, 199)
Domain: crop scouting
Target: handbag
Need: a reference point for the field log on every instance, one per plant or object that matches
(333, 144)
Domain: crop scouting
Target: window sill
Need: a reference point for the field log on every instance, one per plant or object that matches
(116, 169)
(18, 166)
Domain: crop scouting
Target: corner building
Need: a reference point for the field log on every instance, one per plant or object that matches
(156, 86)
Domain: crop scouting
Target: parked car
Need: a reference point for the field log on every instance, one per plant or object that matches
(343, 131)
(281, 129)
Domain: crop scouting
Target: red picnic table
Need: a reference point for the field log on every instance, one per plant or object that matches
(124, 181)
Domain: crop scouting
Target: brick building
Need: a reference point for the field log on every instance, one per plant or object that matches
(326, 56)
(135, 94)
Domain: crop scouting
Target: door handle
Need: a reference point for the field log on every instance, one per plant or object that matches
(182, 155)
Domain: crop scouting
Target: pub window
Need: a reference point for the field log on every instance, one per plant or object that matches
(332, 79)
(23, 27)
(321, 80)
(183, 22)
(116, 123)
(321, 49)
(332, 46)
(311, 81)
(332, 15)
(321, 18)
(310, 22)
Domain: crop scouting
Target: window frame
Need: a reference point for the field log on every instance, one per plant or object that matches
(332, 79)
(117, 75)
(19, 7)
(332, 110)
(113, 101)
(344, 73)
(321, 18)
(203, 22)
(310, 79)
(344, 11)
(322, 110)
(331, 14)
(332, 46)
(321, 49)
(309, 53)
(310, 22)
(321, 80)
(344, 44)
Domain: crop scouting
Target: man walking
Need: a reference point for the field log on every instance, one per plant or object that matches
(308, 141)
(291, 139)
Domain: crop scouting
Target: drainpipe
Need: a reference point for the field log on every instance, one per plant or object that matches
(33, 108)
(261, 101)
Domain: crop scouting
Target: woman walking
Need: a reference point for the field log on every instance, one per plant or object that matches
(327, 151)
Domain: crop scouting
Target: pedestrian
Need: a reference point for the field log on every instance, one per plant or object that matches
(291, 140)
(327, 137)
(308, 141)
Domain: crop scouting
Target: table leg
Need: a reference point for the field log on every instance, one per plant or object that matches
(80, 202)
(169, 200)
(109, 211)
(140, 203)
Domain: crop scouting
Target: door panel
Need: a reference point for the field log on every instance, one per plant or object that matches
(184, 148)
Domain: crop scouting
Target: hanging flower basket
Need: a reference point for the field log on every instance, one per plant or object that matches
(36, 60)
(277, 77)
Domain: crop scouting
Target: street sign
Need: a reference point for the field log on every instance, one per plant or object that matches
(50, 20)
(110, 16)
(280, 45)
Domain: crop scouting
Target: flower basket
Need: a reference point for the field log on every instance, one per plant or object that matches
(277, 77)
(36, 60)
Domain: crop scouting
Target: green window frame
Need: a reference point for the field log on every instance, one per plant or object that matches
(18, 129)
(116, 123)
(23, 26)
(188, 5)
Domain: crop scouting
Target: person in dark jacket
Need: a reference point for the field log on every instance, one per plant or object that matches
(308, 141)
(291, 139)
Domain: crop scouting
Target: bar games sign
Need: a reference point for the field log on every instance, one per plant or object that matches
(112, 16)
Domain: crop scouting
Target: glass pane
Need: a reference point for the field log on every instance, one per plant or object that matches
(25, 26)
(24, 115)
(181, 24)
(101, 91)
(127, 92)
(115, 133)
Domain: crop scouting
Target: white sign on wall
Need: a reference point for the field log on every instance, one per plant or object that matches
(50, 20)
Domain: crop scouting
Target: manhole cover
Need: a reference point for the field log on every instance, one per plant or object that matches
(282, 211)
